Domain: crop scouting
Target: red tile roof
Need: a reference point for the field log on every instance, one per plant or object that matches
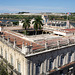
(39, 44)
(19, 41)
(71, 30)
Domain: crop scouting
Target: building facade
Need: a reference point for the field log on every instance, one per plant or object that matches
(28, 58)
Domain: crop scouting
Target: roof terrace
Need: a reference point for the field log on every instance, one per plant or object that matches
(40, 46)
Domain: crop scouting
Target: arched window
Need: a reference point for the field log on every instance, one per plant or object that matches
(6, 55)
(69, 57)
(47, 65)
(11, 60)
(50, 64)
(38, 68)
(61, 60)
(18, 66)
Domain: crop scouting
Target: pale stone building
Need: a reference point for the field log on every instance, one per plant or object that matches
(65, 32)
(47, 57)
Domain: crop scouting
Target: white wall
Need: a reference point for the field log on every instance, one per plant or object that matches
(69, 34)
(20, 23)
(59, 33)
(0, 28)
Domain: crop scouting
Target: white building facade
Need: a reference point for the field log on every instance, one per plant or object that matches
(47, 61)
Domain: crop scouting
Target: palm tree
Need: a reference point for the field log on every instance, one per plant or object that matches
(26, 24)
(37, 23)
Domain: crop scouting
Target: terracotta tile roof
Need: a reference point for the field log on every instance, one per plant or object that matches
(19, 41)
(50, 41)
(39, 44)
(71, 30)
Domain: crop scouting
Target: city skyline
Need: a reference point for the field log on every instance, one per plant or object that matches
(33, 6)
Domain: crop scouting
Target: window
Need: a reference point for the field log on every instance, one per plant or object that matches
(38, 68)
(19, 66)
(42, 67)
(61, 60)
(11, 60)
(69, 57)
(1, 51)
(50, 64)
(6, 55)
(47, 65)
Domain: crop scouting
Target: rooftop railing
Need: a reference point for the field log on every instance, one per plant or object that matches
(54, 44)
(9, 43)
(43, 45)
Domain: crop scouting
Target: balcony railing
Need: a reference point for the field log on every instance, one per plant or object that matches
(54, 45)
(50, 45)
(9, 43)
(70, 65)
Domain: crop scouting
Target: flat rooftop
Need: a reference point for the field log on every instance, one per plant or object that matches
(35, 38)
(38, 42)
(32, 38)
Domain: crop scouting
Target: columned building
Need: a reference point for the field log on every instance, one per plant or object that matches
(30, 58)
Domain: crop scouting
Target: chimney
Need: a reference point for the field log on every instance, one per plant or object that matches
(14, 43)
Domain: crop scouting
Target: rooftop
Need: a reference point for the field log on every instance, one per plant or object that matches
(19, 40)
(39, 43)
(70, 30)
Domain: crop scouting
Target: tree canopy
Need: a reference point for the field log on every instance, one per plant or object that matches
(37, 23)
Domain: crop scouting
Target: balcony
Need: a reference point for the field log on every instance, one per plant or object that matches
(67, 66)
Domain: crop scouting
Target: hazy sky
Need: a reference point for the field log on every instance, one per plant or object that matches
(13, 6)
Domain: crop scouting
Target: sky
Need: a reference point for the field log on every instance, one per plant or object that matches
(37, 6)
